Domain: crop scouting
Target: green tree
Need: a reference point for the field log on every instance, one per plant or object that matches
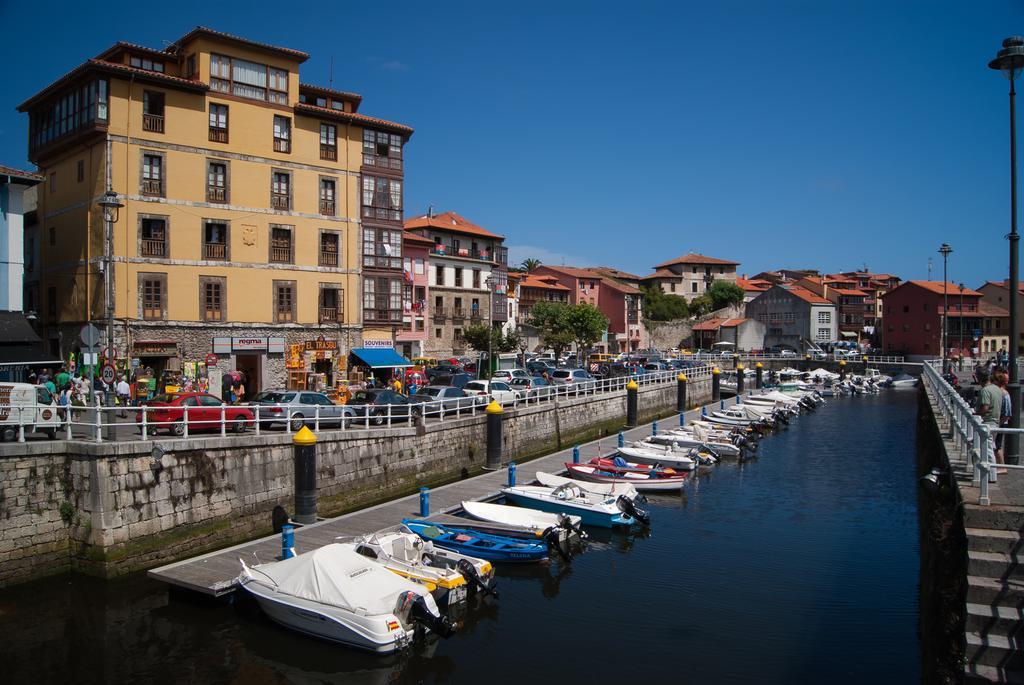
(699, 306)
(529, 264)
(724, 294)
(478, 336)
(585, 324)
(549, 319)
(660, 306)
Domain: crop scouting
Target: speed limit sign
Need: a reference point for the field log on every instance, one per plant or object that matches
(107, 374)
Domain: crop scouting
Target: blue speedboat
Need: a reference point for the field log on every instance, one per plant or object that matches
(477, 544)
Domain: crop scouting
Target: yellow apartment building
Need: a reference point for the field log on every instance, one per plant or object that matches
(241, 242)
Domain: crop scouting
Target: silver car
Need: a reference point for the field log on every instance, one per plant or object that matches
(574, 378)
(301, 407)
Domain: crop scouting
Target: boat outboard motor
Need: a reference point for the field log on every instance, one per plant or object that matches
(553, 536)
(627, 507)
(468, 572)
(781, 417)
(566, 523)
(421, 616)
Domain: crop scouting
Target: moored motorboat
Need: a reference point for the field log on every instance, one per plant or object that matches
(646, 453)
(335, 594)
(595, 510)
(644, 480)
(477, 544)
(607, 489)
(452, 575)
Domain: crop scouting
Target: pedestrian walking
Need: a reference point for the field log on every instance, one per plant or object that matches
(990, 404)
(124, 396)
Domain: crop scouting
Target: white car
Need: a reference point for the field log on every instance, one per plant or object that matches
(509, 374)
(500, 391)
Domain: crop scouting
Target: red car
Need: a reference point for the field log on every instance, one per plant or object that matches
(166, 412)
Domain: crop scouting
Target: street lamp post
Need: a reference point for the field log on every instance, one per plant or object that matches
(944, 251)
(111, 208)
(1010, 61)
(960, 343)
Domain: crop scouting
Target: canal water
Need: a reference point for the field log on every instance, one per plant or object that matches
(800, 566)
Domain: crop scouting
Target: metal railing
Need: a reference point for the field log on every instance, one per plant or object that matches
(973, 439)
(759, 356)
(130, 423)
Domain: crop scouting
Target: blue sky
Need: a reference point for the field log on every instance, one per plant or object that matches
(827, 134)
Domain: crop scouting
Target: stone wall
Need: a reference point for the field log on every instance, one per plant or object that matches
(113, 508)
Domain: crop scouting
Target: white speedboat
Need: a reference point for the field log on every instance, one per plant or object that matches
(903, 381)
(604, 489)
(537, 521)
(646, 453)
(684, 441)
(335, 594)
(449, 575)
(595, 510)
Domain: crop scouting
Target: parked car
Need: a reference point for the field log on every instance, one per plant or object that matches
(509, 374)
(534, 386)
(371, 406)
(495, 389)
(273, 408)
(444, 367)
(576, 378)
(31, 405)
(456, 380)
(433, 400)
(167, 412)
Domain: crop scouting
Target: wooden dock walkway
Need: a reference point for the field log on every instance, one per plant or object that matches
(214, 573)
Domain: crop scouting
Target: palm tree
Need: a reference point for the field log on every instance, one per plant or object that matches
(529, 264)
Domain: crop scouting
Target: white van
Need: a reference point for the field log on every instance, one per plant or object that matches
(31, 405)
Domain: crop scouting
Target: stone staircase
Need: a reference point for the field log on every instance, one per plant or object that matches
(995, 595)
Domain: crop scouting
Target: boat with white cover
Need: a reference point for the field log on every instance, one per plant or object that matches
(537, 521)
(604, 489)
(646, 453)
(595, 510)
(337, 595)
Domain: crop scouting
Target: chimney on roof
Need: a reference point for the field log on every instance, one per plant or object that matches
(430, 211)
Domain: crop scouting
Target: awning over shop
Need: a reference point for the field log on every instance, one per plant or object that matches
(25, 355)
(848, 334)
(383, 358)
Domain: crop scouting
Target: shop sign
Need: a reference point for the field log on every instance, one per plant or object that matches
(249, 344)
(294, 360)
(379, 344)
(275, 345)
(212, 359)
(321, 344)
(155, 348)
(222, 345)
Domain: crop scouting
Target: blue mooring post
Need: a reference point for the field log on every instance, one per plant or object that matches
(575, 454)
(424, 501)
(682, 418)
(287, 541)
(511, 474)
(654, 428)
(622, 439)
(721, 404)
(704, 411)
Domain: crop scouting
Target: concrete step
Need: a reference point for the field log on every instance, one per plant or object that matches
(994, 517)
(995, 565)
(986, 540)
(989, 591)
(987, 619)
(976, 674)
(994, 650)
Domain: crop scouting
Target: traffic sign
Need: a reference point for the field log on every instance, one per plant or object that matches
(107, 374)
(90, 335)
(109, 352)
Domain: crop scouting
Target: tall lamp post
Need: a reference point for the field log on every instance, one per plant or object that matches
(960, 343)
(944, 251)
(1010, 61)
(111, 208)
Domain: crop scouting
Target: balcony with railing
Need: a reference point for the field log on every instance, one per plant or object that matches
(218, 135)
(153, 123)
(152, 186)
(475, 315)
(328, 152)
(439, 313)
(448, 250)
(383, 315)
(280, 201)
(151, 247)
(329, 257)
(330, 315)
(281, 253)
(216, 194)
(458, 314)
(327, 207)
(282, 145)
(215, 251)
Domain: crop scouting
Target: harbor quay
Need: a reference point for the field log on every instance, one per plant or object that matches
(115, 507)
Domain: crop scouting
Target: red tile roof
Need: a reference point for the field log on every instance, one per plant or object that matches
(710, 325)
(18, 173)
(1002, 284)
(417, 239)
(616, 273)
(732, 323)
(807, 296)
(660, 273)
(122, 45)
(344, 95)
(590, 274)
(936, 287)
(353, 118)
(449, 221)
(204, 31)
(850, 291)
(543, 282)
(695, 258)
(987, 309)
(753, 285)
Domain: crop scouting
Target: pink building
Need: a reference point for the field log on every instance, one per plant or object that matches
(416, 266)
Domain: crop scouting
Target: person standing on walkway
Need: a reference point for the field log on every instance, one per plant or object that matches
(124, 395)
(990, 404)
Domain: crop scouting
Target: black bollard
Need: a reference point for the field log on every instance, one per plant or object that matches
(494, 414)
(739, 379)
(305, 476)
(842, 370)
(716, 388)
(681, 392)
(807, 362)
(735, 361)
(759, 378)
(631, 391)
